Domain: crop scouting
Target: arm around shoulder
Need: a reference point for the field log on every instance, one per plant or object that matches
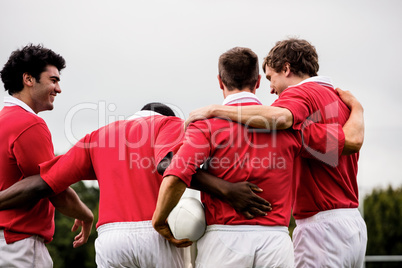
(257, 116)
(354, 127)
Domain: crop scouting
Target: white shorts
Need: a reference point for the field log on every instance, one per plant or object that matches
(28, 252)
(242, 246)
(135, 244)
(332, 238)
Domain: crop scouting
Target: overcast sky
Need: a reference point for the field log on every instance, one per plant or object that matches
(123, 54)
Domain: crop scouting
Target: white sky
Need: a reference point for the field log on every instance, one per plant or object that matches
(122, 54)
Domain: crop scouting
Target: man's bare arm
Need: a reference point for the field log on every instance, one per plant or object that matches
(164, 163)
(241, 195)
(30, 190)
(258, 116)
(24, 193)
(170, 192)
(354, 127)
(69, 204)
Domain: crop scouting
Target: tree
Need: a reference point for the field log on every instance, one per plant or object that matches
(383, 214)
(61, 249)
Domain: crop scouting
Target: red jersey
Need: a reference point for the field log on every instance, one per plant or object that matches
(322, 183)
(123, 157)
(26, 142)
(235, 153)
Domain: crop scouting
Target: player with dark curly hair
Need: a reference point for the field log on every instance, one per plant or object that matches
(31, 76)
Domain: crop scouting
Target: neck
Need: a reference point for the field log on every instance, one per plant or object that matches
(227, 92)
(24, 97)
(295, 79)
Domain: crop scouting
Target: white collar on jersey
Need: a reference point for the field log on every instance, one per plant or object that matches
(322, 80)
(143, 113)
(241, 97)
(12, 101)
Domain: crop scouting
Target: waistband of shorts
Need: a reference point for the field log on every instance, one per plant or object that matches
(131, 226)
(330, 214)
(35, 237)
(246, 228)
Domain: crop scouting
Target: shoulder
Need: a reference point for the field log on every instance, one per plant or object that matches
(297, 90)
(213, 124)
(172, 119)
(18, 118)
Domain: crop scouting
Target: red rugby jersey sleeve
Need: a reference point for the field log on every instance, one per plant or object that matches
(323, 142)
(169, 139)
(297, 102)
(193, 153)
(33, 147)
(64, 170)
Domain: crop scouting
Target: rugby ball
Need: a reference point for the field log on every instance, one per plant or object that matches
(187, 219)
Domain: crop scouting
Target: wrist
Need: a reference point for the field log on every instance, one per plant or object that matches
(213, 110)
(356, 106)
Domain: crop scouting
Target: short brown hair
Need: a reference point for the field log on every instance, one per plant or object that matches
(238, 68)
(299, 53)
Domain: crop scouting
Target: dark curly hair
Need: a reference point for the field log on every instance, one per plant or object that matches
(238, 68)
(159, 108)
(31, 59)
(299, 53)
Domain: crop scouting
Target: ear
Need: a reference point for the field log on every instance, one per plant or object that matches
(220, 82)
(27, 79)
(286, 68)
(257, 85)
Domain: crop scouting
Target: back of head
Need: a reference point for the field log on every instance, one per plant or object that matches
(159, 108)
(30, 59)
(238, 68)
(299, 53)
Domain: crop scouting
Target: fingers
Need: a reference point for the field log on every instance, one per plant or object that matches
(257, 207)
(181, 243)
(79, 242)
(199, 114)
(339, 90)
(261, 203)
(258, 212)
(193, 118)
(254, 187)
(78, 237)
(253, 212)
(348, 98)
(77, 223)
(248, 215)
(83, 236)
(257, 200)
(164, 230)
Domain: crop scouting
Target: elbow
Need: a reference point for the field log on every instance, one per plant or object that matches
(164, 163)
(353, 146)
(284, 121)
(357, 144)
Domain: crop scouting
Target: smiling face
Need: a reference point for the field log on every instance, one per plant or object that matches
(45, 90)
(279, 81)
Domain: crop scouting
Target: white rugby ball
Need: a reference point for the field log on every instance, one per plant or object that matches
(187, 219)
